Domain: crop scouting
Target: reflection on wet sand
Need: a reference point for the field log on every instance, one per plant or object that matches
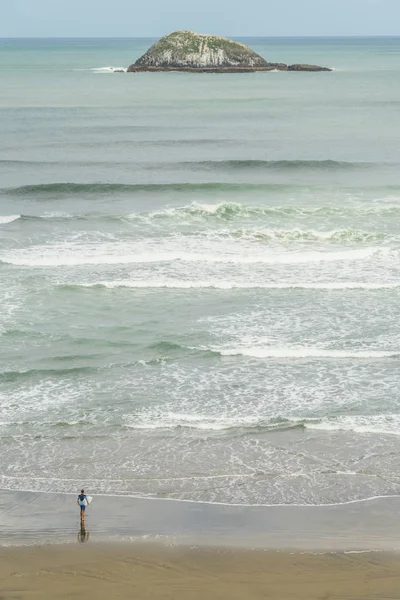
(83, 534)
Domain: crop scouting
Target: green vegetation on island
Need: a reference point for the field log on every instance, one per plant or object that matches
(190, 51)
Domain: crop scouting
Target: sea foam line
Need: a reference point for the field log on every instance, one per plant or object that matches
(105, 70)
(302, 352)
(231, 285)
(376, 424)
(155, 499)
(61, 258)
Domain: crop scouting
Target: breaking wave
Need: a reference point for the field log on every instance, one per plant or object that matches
(231, 285)
(15, 376)
(8, 219)
(233, 210)
(257, 233)
(9, 376)
(152, 420)
(64, 257)
(106, 70)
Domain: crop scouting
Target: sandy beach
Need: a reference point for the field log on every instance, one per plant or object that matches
(148, 571)
(171, 550)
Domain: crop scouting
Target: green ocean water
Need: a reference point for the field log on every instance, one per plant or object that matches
(199, 273)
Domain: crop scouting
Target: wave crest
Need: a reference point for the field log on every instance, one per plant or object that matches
(230, 211)
(71, 188)
(8, 219)
(280, 165)
(230, 285)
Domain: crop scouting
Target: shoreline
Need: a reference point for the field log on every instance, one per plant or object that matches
(35, 518)
(270, 67)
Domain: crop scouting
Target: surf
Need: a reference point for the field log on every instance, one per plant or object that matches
(307, 352)
(6, 219)
(235, 285)
(59, 257)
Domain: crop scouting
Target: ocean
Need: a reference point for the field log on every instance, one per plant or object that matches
(199, 274)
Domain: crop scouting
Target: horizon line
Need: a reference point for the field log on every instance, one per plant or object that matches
(145, 37)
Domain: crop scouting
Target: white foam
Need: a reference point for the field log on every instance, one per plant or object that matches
(8, 219)
(361, 551)
(74, 256)
(347, 285)
(108, 70)
(209, 208)
(172, 420)
(302, 352)
(57, 215)
(297, 235)
(383, 424)
(178, 284)
(311, 257)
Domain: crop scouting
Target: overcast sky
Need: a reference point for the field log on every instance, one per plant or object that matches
(133, 18)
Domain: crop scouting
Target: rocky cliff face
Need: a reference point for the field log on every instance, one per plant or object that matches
(195, 52)
(186, 49)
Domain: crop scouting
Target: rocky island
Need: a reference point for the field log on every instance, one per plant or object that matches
(194, 52)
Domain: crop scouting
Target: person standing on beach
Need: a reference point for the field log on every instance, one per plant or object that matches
(82, 502)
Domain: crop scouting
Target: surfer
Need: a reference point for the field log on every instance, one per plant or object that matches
(82, 503)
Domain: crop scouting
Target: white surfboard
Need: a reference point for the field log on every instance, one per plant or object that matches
(89, 499)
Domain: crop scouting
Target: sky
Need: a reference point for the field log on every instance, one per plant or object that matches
(133, 18)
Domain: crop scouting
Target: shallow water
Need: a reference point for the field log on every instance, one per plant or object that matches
(199, 274)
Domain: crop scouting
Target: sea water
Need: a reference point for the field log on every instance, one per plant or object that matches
(199, 274)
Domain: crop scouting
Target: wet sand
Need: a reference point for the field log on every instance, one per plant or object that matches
(138, 548)
(148, 571)
(36, 518)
